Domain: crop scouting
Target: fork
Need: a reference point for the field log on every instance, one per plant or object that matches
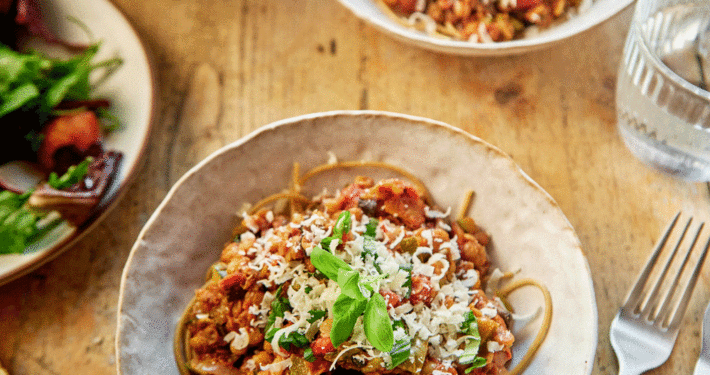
(645, 329)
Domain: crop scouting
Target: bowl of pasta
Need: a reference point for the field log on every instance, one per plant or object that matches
(427, 250)
(484, 28)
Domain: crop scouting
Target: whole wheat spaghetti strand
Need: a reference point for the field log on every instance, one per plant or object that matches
(275, 197)
(546, 321)
(358, 164)
(466, 205)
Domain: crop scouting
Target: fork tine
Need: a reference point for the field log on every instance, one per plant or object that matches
(685, 298)
(634, 297)
(665, 310)
(649, 308)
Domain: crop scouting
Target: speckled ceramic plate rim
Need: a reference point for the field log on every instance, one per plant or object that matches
(108, 203)
(334, 114)
(546, 39)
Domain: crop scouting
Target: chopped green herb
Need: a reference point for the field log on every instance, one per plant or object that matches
(316, 314)
(470, 355)
(407, 284)
(308, 355)
(73, 175)
(308, 289)
(279, 306)
(401, 350)
(341, 227)
(293, 338)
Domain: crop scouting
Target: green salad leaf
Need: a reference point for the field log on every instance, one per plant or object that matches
(72, 176)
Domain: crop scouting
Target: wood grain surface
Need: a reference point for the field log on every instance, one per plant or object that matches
(226, 68)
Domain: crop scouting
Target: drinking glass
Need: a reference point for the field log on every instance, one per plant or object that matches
(663, 106)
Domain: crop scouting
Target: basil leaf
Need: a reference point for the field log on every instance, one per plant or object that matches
(400, 352)
(308, 355)
(325, 243)
(369, 246)
(293, 338)
(279, 306)
(473, 343)
(477, 363)
(470, 325)
(378, 327)
(349, 282)
(401, 349)
(328, 263)
(346, 310)
(342, 225)
(315, 315)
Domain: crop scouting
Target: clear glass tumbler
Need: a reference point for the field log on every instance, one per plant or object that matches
(663, 106)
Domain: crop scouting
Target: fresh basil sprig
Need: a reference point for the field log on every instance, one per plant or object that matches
(470, 352)
(358, 295)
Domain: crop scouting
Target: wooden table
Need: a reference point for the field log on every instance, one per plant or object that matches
(553, 111)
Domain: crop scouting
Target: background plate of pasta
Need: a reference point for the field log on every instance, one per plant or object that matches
(371, 242)
(484, 27)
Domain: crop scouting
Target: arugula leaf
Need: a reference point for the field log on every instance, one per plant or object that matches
(72, 176)
(328, 263)
(346, 310)
(378, 327)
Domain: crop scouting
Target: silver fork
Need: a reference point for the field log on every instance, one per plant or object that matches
(645, 328)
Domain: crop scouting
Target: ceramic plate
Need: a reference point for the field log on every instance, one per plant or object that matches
(598, 12)
(190, 227)
(131, 90)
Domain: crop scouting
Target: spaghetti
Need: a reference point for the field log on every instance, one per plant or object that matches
(372, 279)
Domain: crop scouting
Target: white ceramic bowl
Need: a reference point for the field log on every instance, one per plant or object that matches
(598, 12)
(132, 92)
(190, 227)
